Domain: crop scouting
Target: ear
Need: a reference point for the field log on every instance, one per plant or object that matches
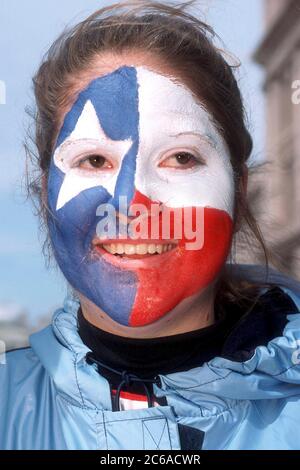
(241, 197)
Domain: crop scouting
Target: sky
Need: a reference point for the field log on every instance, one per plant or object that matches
(27, 30)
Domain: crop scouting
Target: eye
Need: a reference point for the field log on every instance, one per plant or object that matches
(182, 160)
(95, 162)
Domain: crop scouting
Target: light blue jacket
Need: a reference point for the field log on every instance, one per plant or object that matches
(52, 399)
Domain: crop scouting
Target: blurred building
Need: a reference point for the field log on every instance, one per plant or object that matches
(279, 54)
(14, 329)
(16, 326)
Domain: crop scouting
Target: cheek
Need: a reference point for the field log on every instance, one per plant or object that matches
(72, 226)
(186, 272)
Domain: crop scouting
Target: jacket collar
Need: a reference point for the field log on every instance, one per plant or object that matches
(269, 373)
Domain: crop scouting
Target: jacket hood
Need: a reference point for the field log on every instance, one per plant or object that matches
(264, 372)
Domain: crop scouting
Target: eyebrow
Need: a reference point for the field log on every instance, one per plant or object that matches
(206, 137)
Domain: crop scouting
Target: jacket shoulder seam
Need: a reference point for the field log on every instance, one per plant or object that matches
(74, 360)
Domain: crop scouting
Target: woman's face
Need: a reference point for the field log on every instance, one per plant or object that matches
(141, 193)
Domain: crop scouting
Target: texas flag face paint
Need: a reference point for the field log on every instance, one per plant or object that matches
(137, 136)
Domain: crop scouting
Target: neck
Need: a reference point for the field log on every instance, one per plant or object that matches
(191, 314)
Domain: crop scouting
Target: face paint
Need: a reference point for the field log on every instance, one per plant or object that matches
(138, 119)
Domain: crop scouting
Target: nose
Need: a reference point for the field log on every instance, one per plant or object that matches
(126, 195)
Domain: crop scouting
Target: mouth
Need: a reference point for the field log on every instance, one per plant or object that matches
(134, 250)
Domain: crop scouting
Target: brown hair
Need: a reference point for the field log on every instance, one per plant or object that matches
(182, 41)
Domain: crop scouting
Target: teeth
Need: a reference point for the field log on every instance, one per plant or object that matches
(159, 248)
(151, 249)
(129, 249)
(140, 249)
(109, 249)
(120, 249)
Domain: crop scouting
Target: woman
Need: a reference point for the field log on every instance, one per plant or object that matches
(142, 150)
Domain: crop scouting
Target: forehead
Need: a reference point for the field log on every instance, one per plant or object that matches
(124, 98)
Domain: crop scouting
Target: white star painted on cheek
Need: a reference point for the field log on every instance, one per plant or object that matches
(87, 138)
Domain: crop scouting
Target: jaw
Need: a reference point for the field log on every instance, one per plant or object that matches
(164, 280)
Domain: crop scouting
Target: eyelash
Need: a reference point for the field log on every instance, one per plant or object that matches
(89, 157)
(197, 161)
